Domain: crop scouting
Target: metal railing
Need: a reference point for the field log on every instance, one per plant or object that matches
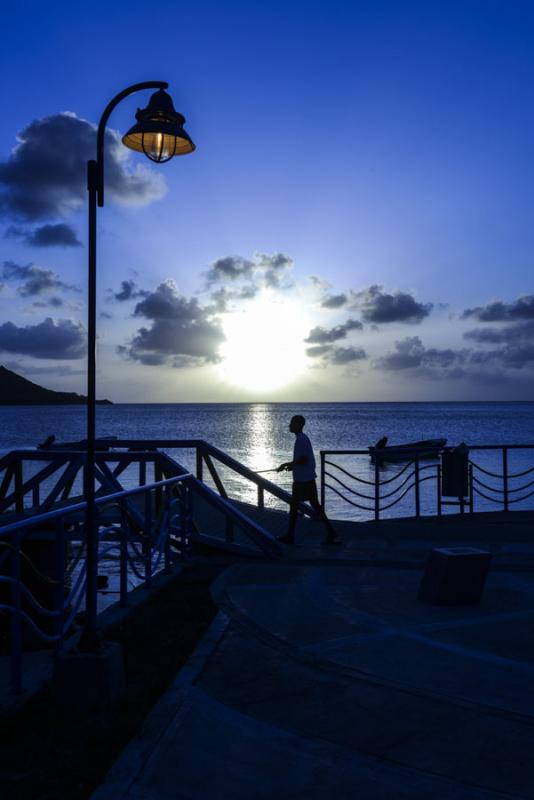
(145, 528)
(373, 493)
(144, 544)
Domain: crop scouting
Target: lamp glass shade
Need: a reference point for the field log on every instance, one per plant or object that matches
(159, 131)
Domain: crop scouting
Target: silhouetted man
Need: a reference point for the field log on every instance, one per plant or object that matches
(304, 486)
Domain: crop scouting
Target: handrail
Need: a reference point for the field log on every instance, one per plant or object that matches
(38, 519)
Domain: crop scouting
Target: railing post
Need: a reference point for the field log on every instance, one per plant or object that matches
(147, 543)
(471, 495)
(261, 497)
(438, 475)
(200, 463)
(377, 491)
(16, 620)
(59, 571)
(123, 579)
(19, 497)
(417, 487)
(142, 473)
(167, 499)
(323, 498)
(505, 476)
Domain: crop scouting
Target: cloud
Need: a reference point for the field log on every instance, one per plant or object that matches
(517, 332)
(129, 291)
(52, 302)
(35, 280)
(45, 175)
(522, 308)
(28, 369)
(346, 355)
(319, 335)
(229, 268)
(265, 270)
(182, 333)
(60, 235)
(379, 307)
(410, 353)
(60, 340)
(329, 354)
(275, 268)
(334, 301)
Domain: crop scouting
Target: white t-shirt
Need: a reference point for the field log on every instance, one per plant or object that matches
(303, 472)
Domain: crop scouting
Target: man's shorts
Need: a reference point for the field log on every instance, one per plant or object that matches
(304, 490)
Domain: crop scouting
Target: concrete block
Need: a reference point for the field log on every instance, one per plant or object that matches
(454, 576)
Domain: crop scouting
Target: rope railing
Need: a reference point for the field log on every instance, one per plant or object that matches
(407, 490)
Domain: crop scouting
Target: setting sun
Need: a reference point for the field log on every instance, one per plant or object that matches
(264, 347)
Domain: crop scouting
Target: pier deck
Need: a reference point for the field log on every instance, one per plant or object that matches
(323, 676)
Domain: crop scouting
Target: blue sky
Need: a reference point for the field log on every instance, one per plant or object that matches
(362, 186)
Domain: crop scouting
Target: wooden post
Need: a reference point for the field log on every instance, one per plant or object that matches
(200, 471)
(471, 496)
(261, 498)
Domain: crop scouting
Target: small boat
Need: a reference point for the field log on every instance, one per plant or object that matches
(426, 448)
(103, 443)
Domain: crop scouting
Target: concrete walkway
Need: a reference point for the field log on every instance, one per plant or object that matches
(327, 678)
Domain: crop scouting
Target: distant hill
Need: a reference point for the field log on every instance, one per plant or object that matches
(18, 391)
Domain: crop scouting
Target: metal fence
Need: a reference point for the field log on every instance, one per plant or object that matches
(145, 542)
(375, 490)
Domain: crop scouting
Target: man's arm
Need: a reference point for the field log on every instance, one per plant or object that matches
(287, 466)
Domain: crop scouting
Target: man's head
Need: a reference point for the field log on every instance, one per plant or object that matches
(297, 423)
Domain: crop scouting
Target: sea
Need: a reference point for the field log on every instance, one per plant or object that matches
(257, 435)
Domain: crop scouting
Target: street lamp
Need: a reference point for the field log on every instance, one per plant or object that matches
(158, 133)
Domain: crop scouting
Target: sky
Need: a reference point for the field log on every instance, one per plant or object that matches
(355, 223)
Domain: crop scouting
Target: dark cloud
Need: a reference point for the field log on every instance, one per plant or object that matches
(345, 355)
(520, 309)
(52, 302)
(35, 280)
(61, 340)
(45, 175)
(129, 291)
(182, 333)
(380, 307)
(230, 268)
(410, 353)
(264, 271)
(29, 369)
(60, 235)
(275, 268)
(334, 301)
(329, 354)
(517, 332)
(319, 350)
(319, 335)
(223, 298)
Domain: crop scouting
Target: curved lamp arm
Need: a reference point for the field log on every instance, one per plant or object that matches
(136, 87)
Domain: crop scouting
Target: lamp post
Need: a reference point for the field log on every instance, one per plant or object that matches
(159, 134)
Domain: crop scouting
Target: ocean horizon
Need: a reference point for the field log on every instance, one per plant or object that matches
(256, 434)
